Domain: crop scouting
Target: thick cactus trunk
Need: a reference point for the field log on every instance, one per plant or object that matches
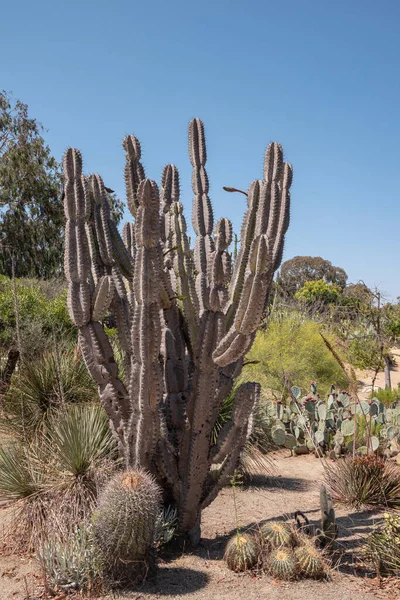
(184, 320)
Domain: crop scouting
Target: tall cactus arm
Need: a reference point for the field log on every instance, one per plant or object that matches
(202, 214)
(232, 439)
(177, 250)
(219, 266)
(265, 224)
(134, 171)
(107, 243)
(85, 309)
(146, 377)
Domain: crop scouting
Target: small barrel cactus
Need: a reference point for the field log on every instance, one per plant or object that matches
(282, 564)
(242, 552)
(277, 533)
(309, 561)
(125, 522)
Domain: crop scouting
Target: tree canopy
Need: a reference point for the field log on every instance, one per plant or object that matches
(297, 271)
(31, 211)
(31, 221)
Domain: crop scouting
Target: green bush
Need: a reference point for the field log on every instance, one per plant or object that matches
(386, 396)
(43, 315)
(292, 347)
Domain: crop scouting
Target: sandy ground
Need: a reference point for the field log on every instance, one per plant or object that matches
(365, 377)
(294, 485)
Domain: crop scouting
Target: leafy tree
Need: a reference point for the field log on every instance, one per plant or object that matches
(292, 347)
(31, 211)
(297, 271)
(375, 332)
(31, 221)
(318, 292)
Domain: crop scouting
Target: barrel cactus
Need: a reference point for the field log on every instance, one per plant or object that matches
(310, 563)
(242, 552)
(125, 523)
(275, 534)
(282, 564)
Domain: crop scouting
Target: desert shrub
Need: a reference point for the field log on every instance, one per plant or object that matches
(387, 396)
(382, 547)
(44, 385)
(364, 482)
(43, 315)
(292, 347)
(69, 559)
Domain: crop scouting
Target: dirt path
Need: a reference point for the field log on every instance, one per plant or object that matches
(365, 377)
(203, 575)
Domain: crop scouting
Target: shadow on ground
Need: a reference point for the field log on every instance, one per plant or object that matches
(170, 581)
(276, 483)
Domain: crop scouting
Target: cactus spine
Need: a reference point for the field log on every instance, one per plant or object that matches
(184, 324)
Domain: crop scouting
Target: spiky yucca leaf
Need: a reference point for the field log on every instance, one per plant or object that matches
(44, 385)
(18, 479)
(364, 481)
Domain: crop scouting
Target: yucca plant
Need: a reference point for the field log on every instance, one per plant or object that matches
(22, 484)
(364, 482)
(42, 386)
(58, 472)
(82, 451)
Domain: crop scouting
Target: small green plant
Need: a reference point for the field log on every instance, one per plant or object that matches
(43, 386)
(387, 396)
(70, 560)
(382, 547)
(364, 482)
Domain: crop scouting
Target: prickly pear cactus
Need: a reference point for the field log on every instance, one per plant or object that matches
(125, 522)
(276, 534)
(242, 552)
(282, 564)
(310, 563)
(185, 317)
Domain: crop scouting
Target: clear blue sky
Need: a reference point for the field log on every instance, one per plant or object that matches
(320, 77)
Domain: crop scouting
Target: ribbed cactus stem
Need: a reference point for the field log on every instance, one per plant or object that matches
(185, 318)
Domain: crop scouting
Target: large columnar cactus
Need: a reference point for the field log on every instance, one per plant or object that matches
(184, 320)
